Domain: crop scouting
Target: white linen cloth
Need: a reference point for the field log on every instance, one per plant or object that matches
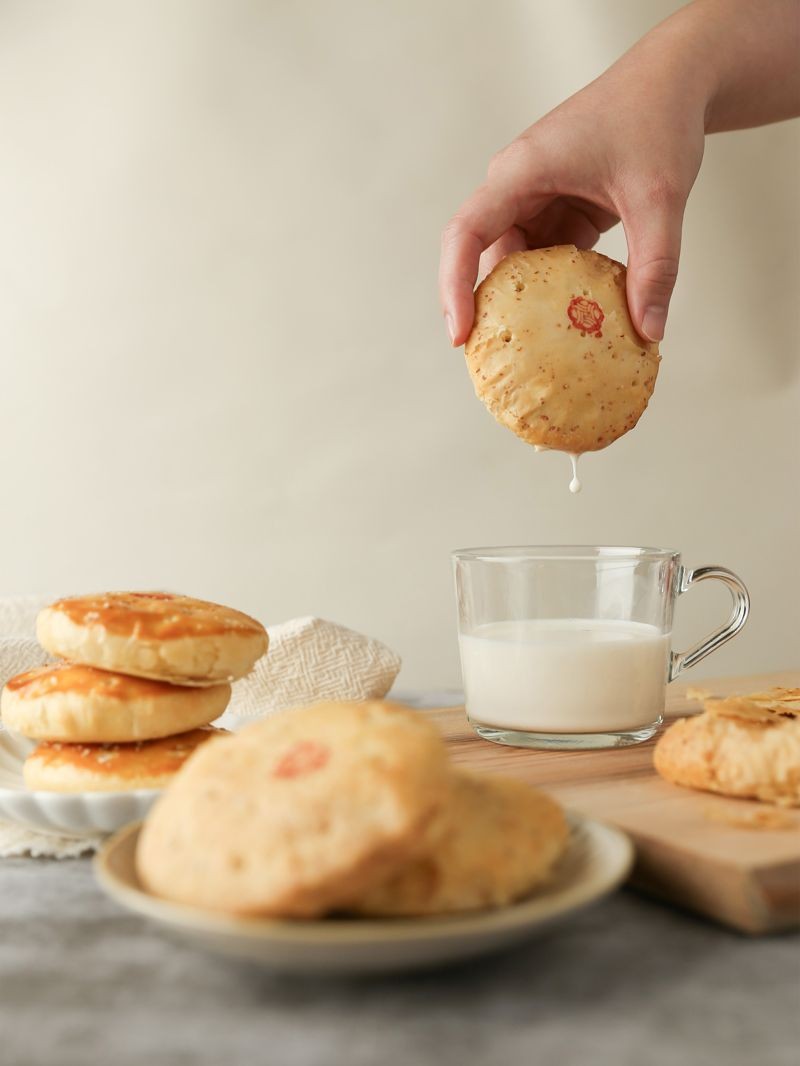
(308, 660)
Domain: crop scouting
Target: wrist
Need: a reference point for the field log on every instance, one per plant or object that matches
(738, 59)
(681, 63)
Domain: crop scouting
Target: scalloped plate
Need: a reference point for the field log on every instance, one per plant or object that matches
(597, 860)
(66, 813)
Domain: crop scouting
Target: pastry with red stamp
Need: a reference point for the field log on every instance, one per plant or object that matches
(554, 354)
(585, 315)
(299, 813)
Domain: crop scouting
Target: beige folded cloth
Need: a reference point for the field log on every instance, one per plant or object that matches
(18, 615)
(308, 660)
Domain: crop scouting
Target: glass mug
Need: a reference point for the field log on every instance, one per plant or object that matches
(569, 647)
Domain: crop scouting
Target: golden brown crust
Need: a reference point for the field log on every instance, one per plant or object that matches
(70, 702)
(733, 756)
(57, 767)
(553, 353)
(86, 681)
(778, 702)
(298, 812)
(495, 841)
(154, 635)
(155, 615)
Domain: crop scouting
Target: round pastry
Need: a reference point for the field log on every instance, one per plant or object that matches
(70, 702)
(298, 813)
(553, 353)
(734, 756)
(497, 839)
(154, 634)
(56, 767)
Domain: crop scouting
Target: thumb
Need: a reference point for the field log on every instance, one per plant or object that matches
(653, 233)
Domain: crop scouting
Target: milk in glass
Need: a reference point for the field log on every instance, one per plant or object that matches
(565, 675)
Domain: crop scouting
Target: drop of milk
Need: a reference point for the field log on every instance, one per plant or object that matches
(575, 484)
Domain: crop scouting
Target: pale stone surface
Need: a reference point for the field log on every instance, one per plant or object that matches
(626, 983)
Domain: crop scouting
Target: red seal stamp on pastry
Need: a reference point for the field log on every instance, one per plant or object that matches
(585, 315)
(302, 758)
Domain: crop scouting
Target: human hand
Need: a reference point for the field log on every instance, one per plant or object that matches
(626, 148)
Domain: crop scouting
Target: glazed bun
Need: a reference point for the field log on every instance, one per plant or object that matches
(553, 353)
(73, 703)
(154, 634)
(55, 767)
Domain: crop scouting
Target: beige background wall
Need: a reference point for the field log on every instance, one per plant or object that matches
(223, 367)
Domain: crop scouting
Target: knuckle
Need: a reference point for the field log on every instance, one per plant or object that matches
(507, 159)
(466, 221)
(659, 273)
(660, 190)
(453, 230)
(648, 192)
(497, 164)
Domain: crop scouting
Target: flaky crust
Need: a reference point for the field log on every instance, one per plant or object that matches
(298, 812)
(154, 634)
(553, 353)
(56, 767)
(777, 702)
(72, 703)
(733, 756)
(498, 838)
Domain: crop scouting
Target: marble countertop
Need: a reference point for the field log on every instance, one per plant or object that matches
(628, 982)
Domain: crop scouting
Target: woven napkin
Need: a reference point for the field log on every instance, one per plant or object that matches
(308, 660)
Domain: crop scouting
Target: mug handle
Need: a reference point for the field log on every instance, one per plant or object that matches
(682, 660)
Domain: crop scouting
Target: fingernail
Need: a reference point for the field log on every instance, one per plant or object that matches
(451, 330)
(653, 322)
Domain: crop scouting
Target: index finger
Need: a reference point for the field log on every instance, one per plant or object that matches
(484, 217)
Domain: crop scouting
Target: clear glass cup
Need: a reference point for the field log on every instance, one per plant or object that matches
(569, 647)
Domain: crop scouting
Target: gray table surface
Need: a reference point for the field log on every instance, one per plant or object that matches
(628, 982)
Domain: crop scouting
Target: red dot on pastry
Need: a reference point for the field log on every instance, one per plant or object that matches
(302, 758)
(585, 315)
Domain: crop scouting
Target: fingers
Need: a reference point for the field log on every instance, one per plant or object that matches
(485, 217)
(513, 240)
(653, 231)
(562, 223)
(569, 220)
(479, 222)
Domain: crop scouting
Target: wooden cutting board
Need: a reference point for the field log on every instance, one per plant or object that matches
(689, 847)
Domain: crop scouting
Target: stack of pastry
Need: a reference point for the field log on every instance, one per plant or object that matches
(745, 745)
(139, 677)
(345, 807)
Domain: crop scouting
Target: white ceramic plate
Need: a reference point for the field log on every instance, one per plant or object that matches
(66, 813)
(597, 861)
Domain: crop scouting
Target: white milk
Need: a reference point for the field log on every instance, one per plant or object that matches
(565, 675)
(575, 484)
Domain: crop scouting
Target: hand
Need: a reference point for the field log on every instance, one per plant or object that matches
(627, 147)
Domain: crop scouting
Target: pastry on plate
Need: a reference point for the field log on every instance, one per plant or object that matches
(56, 767)
(71, 702)
(746, 746)
(553, 353)
(298, 813)
(496, 840)
(154, 634)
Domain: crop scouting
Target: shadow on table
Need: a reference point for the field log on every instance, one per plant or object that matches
(626, 948)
